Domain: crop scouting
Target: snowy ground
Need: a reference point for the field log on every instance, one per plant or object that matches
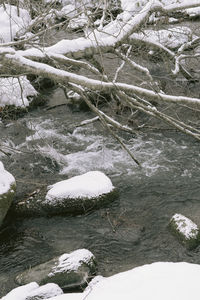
(6, 180)
(161, 280)
(16, 91)
(11, 22)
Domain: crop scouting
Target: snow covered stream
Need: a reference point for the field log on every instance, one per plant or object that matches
(46, 147)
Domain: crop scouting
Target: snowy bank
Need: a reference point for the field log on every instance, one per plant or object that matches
(70, 270)
(32, 291)
(11, 22)
(172, 37)
(21, 292)
(156, 281)
(7, 191)
(162, 280)
(16, 91)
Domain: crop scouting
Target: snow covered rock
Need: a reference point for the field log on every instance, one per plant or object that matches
(12, 22)
(69, 271)
(76, 195)
(162, 280)
(79, 193)
(32, 291)
(15, 91)
(67, 12)
(20, 293)
(186, 230)
(193, 12)
(45, 292)
(7, 191)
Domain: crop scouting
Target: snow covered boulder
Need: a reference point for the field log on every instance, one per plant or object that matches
(79, 194)
(185, 230)
(162, 280)
(69, 271)
(16, 91)
(12, 21)
(32, 291)
(7, 191)
(46, 291)
(20, 293)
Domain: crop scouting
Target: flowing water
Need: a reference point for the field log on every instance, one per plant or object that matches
(129, 232)
(46, 146)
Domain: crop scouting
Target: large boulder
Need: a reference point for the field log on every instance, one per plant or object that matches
(76, 195)
(7, 191)
(69, 271)
(32, 291)
(80, 193)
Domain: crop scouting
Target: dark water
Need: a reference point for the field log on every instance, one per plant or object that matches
(129, 232)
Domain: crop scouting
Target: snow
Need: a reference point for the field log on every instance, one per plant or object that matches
(75, 296)
(68, 11)
(193, 11)
(72, 261)
(89, 185)
(78, 22)
(32, 289)
(11, 23)
(129, 6)
(138, 4)
(162, 280)
(46, 291)
(185, 226)
(15, 91)
(6, 180)
(172, 37)
(20, 293)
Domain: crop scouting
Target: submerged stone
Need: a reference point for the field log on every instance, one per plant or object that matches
(186, 230)
(69, 271)
(7, 191)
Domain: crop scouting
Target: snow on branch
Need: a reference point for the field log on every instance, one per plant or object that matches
(180, 6)
(64, 77)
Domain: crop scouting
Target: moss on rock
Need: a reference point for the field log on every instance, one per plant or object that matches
(186, 230)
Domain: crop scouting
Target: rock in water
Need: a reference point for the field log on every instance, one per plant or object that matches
(186, 230)
(7, 191)
(76, 195)
(79, 194)
(69, 271)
